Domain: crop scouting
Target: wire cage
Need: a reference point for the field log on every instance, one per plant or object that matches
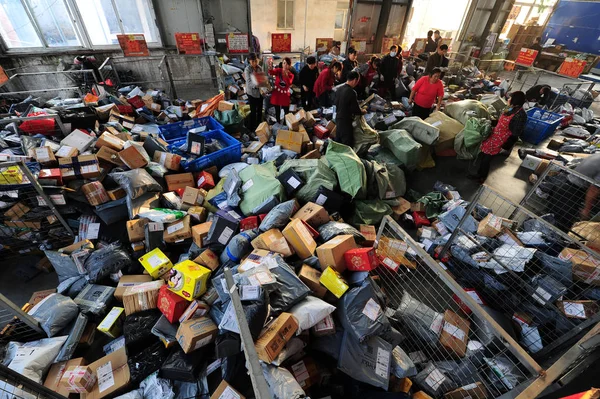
(560, 192)
(16, 325)
(30, 221)
(452, 339)
(15, 386)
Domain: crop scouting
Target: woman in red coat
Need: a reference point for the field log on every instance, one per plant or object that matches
(325, 82)
(280, 97)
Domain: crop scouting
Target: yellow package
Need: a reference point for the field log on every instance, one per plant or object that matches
(112, 323)
(11, 175)
(188, 279)
(334, 282)
(156, 263)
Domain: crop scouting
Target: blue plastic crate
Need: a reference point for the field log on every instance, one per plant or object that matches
(231, 153)
(175, 131)
(537, 130)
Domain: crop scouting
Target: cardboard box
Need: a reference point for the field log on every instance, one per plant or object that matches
(57, 371)
(314, 154)
(116, 194)
(109, 155)
(332, 252)
(168, 160)
(95, 193)
(490, 226)
(205, 181)
(37, 296)
(78, 139)
(475, 391)
(334, 282)
(455, 333)
(274, 337)
(196, 333)
(292, 122)
(313, 214)
(128, 281)
(578, 309)
(585, 267)
(133, 158)
(263, 132)
(361, 259)
(78, 379)
(421, 395)
(226, 106)
(369, 233)
(81, 167)
(188, 279)
(200, 233)
(226, 391)
(112, 324)
(178, 230)
(198, 214)
(253, 147)
(66, 151)
(192, 196)
(311, 276)
(208, 258)
(289, 140)
(170, 304)
(113, 365)
(156, 263)
(180, 180)
(300, 238)
(50, 177)
(400, 209)
(45, 156)
(392, 254)
(16, 211)
(108, 140)
(195, 310)
(141, 297)
(273, 240)
(135, 229)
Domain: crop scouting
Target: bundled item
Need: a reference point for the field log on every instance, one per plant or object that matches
(370, 212)
(136, 182)
(106, 261)
(368, 362)
(402, 146)
(310, 312)
(332, 229)
(463, 110)
(361, 314)
(289, 291)
(33, 359)
(137, 327)
(420, 319)
(434, 381)
(54, 313)
(279, 216)
(402, 365)
(421, 131)
(364, 135)
(282, 384)
(503, 373)
(349, 169)
(259, 184)
(315, 174)
(146, 362)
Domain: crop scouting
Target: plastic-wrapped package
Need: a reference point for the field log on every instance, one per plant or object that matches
(135, 394)
(452, 217)
(393, 336)
(460, 372)
(70, 282)
(361, 314)
(368, 362)
(482, 331)
(136, 182)
(9, 352)
(94, 299)
(420, 318)
(256, 313)
(181, 366)
(279, 216)
(231, 188)
(266, 206)
(434, 381)
(239, 246)
(462, 110)
(33, 359)
(370, 212)
(402, 365)
(292, 347)
(146, 362)
(348, 168)
(310, 312)
(547, 289)
(282, 384)
(290, 289)
(503, 374)
(155, 169)
(198, 389)
(421, 131)
(54, 313)
(66, 352)
(145, 203)
(329, 344)
(259, 184)
(105, 261)
(530, 335)
(162, 215)
(157, 388)
(315, 172)
(164, 330)
(332, 229)
(137, 327)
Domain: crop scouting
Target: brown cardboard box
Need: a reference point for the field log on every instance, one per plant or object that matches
(300, 238)
(585, 267)
(490, 226)
(78, 379)
(95, 193)
(57, 370)
(310, 120)
(332, 252)
(16, 211)
(116, 194)
(400, 209)
(81, 167)
(135, 229)
(292, 122)
(313, 214)
(168, 160)
(108, 140)
(200, 232)
(196, 333)
(392, 253)
(273, 240)
(310, 277)
(178, 230)
(301, 116)
(209, 259)
(117, 362)
(45, 156)
(191, 196)
(67, 152)
(180, 180)
(130, 280)
(141, 297)
(253, 147)
(289, 140)
(455, 333)
(263, 132)
(226, 106)
(39, 295)
(578, 309)
(369, 233)
(400, 384)
(474, 391)
(132, 158)
(197, 213)
(226, 391)
(109, 155)
(274, 336)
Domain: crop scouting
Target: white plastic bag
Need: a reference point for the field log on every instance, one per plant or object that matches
(310, 312)
(54, 313)
(33, 358)
(282, 384)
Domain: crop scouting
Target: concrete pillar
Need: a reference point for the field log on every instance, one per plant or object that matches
(384, 17)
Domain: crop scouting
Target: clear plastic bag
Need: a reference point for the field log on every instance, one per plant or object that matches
(54, 313)
(136, 182)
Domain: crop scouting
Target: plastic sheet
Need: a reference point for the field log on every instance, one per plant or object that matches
(368, 362)
(290, 290)
(282, 384)
(349, 169)
(310, 312)
(136, 182)
(68, 349)
(279, 216)
(361, 314)
(332, 229)
(146, 362)
(33, 359)
(54, 313)
(105, 261)
(181, 366)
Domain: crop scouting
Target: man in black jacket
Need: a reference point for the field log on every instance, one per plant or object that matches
(437, 60)
(308, 77)
(346, 103)
(391, 66)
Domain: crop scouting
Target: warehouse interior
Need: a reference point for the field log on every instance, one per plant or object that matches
(226, 199)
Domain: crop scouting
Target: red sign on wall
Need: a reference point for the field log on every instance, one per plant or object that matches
(188, 43)
(526, 57)
(572, 67)
(133, 45)
(281, 42)
(237, 42)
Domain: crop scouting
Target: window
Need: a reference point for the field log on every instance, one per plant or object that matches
(28, 24)
(285, 14)
(340, 19)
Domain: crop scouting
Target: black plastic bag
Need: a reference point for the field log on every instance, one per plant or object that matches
(361, 314)
(368, 362)
(137, 329)
(105, 261)
(330, 230)
(146, 362)
(290, 289)
(70, 282)
(180, 366)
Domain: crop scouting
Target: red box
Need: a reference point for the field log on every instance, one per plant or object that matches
(321, 131)
(205, 181)
(249, 223)
(136, 102)
(180, 191)
(171, 304)
(420, 219)
(361, 259)
(125, 109)
(51, 177)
